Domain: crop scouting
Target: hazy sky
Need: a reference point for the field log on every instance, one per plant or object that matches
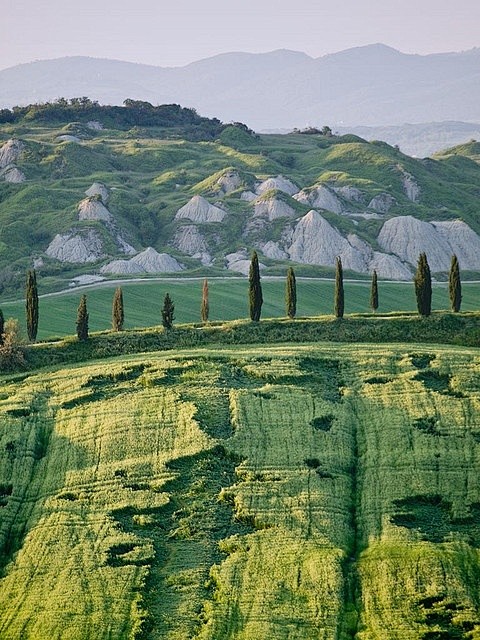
(176, 32)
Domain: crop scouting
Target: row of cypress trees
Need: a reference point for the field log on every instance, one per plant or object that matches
(118, 314)
(256, 298)
(422, 284)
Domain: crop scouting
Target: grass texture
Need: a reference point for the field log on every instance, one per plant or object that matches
(300, 492)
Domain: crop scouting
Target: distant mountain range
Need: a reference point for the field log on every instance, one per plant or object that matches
(373, 85)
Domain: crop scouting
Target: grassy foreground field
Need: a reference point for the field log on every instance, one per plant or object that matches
(228, 301)
(310, 492)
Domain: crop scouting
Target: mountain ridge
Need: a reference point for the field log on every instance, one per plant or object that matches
(370, 85)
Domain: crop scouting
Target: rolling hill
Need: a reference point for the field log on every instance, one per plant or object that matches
(87, 190)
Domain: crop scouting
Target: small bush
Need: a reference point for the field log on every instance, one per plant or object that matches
(12, 356)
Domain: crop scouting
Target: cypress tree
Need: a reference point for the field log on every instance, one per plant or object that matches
(454, 285)
(291, 294)
(205, 308)
(374, 292)
(167, 312)
(2, 326)
(31, 306)
(339, 294)
(118, 315)
(423, 286)
(82, 319)
(255, 289)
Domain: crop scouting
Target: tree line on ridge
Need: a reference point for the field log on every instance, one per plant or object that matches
(10, 332)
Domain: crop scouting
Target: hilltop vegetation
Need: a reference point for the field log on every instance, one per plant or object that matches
(140, 165)
(308, 491)
(134, 113)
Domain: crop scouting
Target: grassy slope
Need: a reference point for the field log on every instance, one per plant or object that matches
(307, 492)
(228, 301)
(151, 177)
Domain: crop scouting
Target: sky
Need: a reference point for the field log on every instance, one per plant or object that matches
(177, 32)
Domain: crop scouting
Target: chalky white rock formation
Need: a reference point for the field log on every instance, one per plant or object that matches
(10, 152)
(240, 261)
(463, 241)
(229, 181)
(315, 241)
(198, 209)
(189, 240)
(352, 194)
(273, 250)
(382, 203)
(76, 247)
(13, 174)
(98, 189)
(407, 237)
(122, 267)
(411, 187)
(148, 261)
(390, 267)
(153, 262)
(92, 208)
(279, 183)
(320, 197)
(274, 208)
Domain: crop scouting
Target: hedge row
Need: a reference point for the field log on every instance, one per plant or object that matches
(439, 328)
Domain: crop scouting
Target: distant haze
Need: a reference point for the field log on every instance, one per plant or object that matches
(373, 85)
(176, 33)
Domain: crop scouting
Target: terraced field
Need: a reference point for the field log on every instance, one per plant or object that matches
(307, 492)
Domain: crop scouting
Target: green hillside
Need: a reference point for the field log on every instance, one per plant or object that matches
(300, 492)
(152, 169)
(307, 479)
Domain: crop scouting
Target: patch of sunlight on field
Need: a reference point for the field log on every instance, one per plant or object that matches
(305, 492)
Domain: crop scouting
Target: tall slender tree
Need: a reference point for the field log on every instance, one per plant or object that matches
(374, 292)
(423, 286)
(339, 294)
(291, 294)
(31, 305)
(118, 314)
(455, 285)
(255, 289)
(205, 307)
(2, 326)
(167, 312)
(82, 319)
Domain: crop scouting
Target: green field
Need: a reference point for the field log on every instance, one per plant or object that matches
(228, 301)
(300, 492)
